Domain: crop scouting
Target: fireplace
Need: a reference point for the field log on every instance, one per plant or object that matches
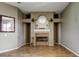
(41, 39)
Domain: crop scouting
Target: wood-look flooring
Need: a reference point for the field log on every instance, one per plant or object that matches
(39, 51)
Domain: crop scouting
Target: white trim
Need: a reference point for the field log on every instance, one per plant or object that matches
(12, 48)
(8, 50)
(59, 33)
(21, 45)
(70, 49)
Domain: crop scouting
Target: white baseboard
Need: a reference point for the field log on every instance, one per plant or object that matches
(12, 48)
(7, 50)
(70, 50)
(21, 45)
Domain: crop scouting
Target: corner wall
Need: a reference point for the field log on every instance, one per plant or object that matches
(20, 36)
(70, 27)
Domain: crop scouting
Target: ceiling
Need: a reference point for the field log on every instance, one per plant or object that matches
(27, 7)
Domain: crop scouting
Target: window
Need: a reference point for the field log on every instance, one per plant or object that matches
(7, 24)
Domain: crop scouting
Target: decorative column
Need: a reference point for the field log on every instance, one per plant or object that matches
(33, 39)
(51, 33)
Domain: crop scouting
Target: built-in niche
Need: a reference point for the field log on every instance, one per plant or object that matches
(56, 16)
(27, 16)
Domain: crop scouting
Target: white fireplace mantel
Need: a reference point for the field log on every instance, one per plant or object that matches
(41, 30)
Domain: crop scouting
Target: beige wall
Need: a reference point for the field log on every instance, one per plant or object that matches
(35, 15)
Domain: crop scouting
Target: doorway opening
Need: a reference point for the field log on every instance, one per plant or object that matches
(28, 27)
(56, 41)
